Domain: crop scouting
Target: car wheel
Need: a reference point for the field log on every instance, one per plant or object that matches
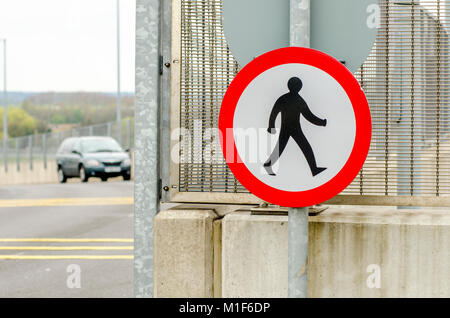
(126, 177)
(83, 175)
(104, 179)
(61, 176)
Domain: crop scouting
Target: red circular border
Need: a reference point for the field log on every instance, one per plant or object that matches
(361, 109)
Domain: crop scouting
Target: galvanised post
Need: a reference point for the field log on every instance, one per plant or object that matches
(298, 217)
(146, 183)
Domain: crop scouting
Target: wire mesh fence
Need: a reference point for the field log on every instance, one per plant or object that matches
(30, 151)
(405, 78)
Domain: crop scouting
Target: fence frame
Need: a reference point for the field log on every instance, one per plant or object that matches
(176, 196)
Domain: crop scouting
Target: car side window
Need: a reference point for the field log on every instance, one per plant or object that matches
(76, 146)
(68, 147)
(62, 148)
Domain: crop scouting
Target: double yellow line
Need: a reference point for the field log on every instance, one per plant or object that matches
(101, 201)
(59, 257)
(69, 240)
(67, 248)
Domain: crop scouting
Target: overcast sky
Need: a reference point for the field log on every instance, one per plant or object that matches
(66, 45)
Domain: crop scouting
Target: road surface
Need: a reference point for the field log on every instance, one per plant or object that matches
(66, 240)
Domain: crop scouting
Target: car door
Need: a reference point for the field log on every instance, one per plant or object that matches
(74, 157)
(61, 156)
(65, 157)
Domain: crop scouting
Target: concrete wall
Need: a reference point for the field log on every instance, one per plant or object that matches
(184, 253)
(410, 249)
(254, 255)
(352, 252)
(29, 176)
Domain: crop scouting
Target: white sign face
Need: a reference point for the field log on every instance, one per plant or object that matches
(313, 117)
(295, 127)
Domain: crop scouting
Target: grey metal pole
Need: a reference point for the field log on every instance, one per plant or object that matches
(300, 23)
(298, 217)
(298, 252)
(128, 133)
(5, 110)
(30, 145)
(108, 129)
(44, 149)
(17, 153)
(119, 111)
(147, 141)
(165, 89)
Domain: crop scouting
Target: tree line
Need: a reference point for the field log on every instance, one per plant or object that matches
(44, 112)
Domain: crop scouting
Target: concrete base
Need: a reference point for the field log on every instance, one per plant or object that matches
(254, 255)
(29, 176)
(407, 250)
(353, 252)
(184, 253)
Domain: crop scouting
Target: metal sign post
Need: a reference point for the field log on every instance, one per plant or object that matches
(322, 109)
(119, 110)
(146, 185)
(298, 217)
(5, 111)
(312, 153)
(298, 252)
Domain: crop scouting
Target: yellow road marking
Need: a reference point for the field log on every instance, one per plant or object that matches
(102, 201)
(55, 257)
(66, 240)
(65, 248)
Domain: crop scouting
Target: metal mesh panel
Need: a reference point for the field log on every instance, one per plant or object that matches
(406, 80)
(208, 68)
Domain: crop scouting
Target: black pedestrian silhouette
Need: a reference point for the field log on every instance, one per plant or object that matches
(291, 106)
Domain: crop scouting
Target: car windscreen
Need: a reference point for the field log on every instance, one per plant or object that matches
(100, 145)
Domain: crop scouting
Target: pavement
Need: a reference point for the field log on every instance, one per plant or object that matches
(67, 240)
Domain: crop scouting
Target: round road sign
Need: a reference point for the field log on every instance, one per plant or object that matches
(295, 127)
